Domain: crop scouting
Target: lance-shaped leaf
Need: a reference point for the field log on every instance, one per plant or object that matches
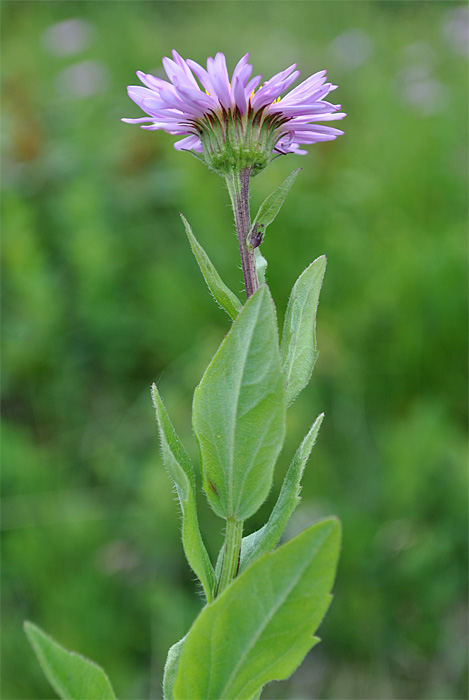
(269, 209)
(72, 676)
(180, 470)
(298, 349)
(261, 627)
(171, 668)
(239, 412)
(267, 538)
(224, 297)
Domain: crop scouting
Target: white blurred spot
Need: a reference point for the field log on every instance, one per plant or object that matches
(351, 49)
(69, 37)
(421, 56)
(118, 556)
(82, 80)
(456, 29)
(427, 95)
(396, 535)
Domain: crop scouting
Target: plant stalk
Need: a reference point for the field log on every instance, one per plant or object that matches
(232, 551)
(238, 188)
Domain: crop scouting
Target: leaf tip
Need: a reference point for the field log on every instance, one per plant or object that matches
(32, 631)
(335, 527)
(28, 627)
(185, 222)
(321, 261)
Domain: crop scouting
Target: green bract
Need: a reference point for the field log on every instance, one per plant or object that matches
(233, 142)
(239, 412)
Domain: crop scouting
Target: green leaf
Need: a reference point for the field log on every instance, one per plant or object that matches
(267, 538)
(261, 265)
(269, 209)
(224, 297)
(180, 470)
(171, 668)
(258, 694)
(261, 627)
(239, 412)
(298, 349)
(71, 675)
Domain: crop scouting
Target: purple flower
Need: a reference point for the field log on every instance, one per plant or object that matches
(235, 124)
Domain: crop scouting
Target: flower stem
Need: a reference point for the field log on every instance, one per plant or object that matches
(232, 547)
(238, 188)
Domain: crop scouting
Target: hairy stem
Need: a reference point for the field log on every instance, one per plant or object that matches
(238, 188)
(232, 550)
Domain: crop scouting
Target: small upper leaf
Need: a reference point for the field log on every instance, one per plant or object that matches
(298, 348)
(180, 470)
(267, 538)
(220, 292)
(269, 209)
(261, 266)
(239, 412)
(72, 676)
(261, 627)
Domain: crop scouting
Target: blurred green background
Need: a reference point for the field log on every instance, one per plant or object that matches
(101, 297)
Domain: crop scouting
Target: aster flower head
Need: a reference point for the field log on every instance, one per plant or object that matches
(235, 124)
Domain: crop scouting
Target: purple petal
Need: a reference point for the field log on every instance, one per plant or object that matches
(315, 109)
(329, 117)
(202, 75)
(151, 81)
(176, 106)
(313, 137)
(171, 68)
(140, 91)
(307, 85)
(218, 73)
(316, 128)
(298, 151)
(239, 79)
(238, 88)
(191, 143)
(295, 122)
(136, 121)
(272, 89)
(172, 99)
(185, 69)
(252, 85)
(240, 66)
(196, 98)
(152, 106)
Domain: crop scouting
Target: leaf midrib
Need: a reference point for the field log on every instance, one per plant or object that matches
(235, 413)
